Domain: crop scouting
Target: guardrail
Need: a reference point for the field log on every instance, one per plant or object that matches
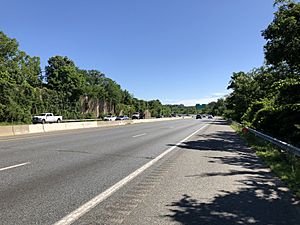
(281, 144)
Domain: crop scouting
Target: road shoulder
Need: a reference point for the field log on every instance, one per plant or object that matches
(216, 180)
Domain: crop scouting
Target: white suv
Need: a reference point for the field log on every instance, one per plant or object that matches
(136, 115)
(110, 118)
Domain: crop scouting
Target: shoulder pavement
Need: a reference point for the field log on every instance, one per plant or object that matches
(216, 180)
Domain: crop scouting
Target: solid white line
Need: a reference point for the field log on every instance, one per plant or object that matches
(14, 166)
(76, 214)
(139, 135)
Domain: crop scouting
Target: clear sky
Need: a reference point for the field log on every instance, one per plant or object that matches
(177, 51)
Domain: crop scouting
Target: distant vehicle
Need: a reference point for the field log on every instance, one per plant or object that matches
(198, 116)
(136, 116)
(110, 118)
(46, 118)
(159, 116)
(209, 117)
(122, 118)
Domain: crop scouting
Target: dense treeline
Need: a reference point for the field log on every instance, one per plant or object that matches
(268, 98)
(63, 88)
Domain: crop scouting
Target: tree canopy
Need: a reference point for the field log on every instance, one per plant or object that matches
(268, 98)
(64, 89)
(283, 36)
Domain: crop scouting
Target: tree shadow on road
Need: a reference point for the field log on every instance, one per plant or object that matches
(260, 197)
(257, 204)
(217, 141)
(224, 141)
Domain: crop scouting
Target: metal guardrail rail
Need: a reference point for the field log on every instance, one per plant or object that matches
(283, 145)
(275, 141)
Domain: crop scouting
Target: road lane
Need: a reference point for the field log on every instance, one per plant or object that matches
(85, 208)
(212, 178)
(69, 169)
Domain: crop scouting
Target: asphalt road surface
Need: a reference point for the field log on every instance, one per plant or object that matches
(123, 175)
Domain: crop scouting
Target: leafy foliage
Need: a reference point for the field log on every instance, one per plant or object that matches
(268, 98)
(65, 89)
(283, 36)
(215, 108)
(18, 81)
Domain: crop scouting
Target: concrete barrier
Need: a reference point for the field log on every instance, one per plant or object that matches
(74, 125)
(20, 129)
(6, 131)
(39, 128)
(107, 123)
(54, 127)
(90, 124)
(36, 128)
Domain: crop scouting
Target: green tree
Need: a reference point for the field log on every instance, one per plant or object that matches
(94, 86)
(113, 92)
(155, 108)
(19, 80)
(64, 77)
(127, 98)
(243, 93)
(283, 36)
(215, 108)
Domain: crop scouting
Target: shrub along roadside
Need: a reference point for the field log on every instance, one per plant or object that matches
(285, 165)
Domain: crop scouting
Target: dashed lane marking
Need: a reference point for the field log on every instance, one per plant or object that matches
(14, 166)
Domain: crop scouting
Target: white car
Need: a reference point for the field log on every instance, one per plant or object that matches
(136, 115)
(110, 118)
(46, 118)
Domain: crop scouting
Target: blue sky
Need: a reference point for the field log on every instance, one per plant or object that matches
(177, 51)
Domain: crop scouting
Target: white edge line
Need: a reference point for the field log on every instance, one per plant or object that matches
(76, 214)
(139, 135)
(14, 166)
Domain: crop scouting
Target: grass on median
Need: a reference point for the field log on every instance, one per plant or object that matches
(286, 166)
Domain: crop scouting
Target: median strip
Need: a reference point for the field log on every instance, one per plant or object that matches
(14, 166)
(85, 208)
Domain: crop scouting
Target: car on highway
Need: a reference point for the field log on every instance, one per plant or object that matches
(122, 118)
(46, 118)
(198, 116)
(110, 118)
(136, 116)
(209, 117)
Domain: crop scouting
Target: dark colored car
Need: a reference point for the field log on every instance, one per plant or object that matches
(198, 116)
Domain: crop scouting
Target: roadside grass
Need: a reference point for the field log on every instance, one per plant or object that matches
(285, 165)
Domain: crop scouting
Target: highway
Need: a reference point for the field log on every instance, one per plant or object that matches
(184, 171)
(46, 176)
